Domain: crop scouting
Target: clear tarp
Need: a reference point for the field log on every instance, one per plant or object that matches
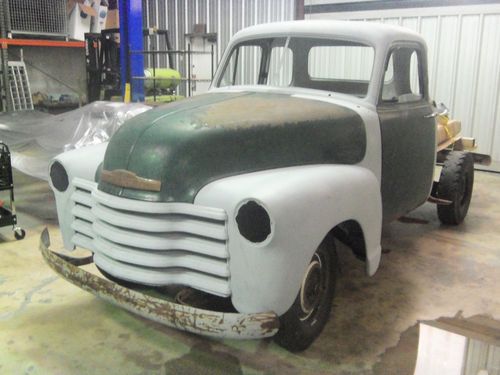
(34, 138)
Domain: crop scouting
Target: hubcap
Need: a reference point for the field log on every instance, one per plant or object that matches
(311, 288)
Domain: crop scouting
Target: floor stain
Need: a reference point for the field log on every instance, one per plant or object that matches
(28, 297)
(202, 359)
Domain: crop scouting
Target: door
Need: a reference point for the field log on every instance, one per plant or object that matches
(408, 133)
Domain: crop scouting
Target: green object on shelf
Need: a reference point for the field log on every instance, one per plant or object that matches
(168, 78)
(150, 99)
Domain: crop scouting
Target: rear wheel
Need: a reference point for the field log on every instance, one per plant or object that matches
(455, 184)
(306, 318)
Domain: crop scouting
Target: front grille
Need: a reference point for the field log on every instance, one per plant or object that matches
(152, 243)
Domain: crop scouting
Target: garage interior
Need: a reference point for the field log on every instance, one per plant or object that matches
(435, 297)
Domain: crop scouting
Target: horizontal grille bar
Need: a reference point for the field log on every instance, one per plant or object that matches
(84, 227)
(160, 222)
(83, 241)
(163, 276)
(169, 241)
(82, 197)
(82, 212)
(158, 207)
(86, 185)
(161, 259)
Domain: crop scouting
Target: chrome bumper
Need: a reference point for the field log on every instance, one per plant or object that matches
(186, 318)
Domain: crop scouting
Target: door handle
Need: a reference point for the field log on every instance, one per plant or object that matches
(442, 110)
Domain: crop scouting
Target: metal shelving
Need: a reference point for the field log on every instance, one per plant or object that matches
(36, 17)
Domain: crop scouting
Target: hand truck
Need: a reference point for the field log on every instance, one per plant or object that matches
(8, 214)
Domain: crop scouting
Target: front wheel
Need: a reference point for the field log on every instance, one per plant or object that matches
(306, 318)
(124, 283)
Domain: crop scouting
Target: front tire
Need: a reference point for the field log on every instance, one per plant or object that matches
(124, 283)
(455, 184)
(306, 318)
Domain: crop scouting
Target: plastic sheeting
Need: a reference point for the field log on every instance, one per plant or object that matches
(34, 138)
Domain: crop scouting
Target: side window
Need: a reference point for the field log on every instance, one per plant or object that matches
(414, 76)
(389, 71)
(402, 78)
(243, 66)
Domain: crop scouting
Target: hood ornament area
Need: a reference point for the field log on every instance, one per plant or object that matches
(127, 179)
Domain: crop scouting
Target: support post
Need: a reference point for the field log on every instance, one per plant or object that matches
(299, 9)
(154, 72)
(5, 99)
(189, 70)
(212, 61)
(131, 65)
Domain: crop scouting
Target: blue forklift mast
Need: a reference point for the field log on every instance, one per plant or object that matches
(131, 39)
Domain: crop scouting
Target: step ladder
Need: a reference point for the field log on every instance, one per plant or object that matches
(20, 91)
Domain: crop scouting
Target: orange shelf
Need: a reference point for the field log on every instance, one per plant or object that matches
(40, 43)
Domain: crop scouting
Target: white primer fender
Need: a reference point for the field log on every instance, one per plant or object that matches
(82, 163)
(304, 204)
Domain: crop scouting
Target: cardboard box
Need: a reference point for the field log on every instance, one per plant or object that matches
(80, 13)
(113, 19)
(99, 21)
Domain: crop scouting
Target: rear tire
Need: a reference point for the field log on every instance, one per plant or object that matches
(306, 318)
(455, 184)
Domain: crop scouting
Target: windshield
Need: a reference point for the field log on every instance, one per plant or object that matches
(322, 64)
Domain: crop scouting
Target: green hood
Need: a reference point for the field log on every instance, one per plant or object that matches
(187, 144)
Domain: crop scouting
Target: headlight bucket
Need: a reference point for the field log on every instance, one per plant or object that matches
(254, 222)
(59, 176)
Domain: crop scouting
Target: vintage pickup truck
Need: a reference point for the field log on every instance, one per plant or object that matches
(312, 132)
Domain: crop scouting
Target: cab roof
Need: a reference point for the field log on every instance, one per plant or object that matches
(377, 35)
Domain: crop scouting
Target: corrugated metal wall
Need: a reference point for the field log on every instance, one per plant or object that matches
(224, 17)
(464, 61)
(482, 356)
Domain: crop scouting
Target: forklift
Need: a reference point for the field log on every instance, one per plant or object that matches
(102, 53)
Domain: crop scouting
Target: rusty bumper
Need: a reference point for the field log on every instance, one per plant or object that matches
(186, 318)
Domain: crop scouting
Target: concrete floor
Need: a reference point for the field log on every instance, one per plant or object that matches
(48, 326)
